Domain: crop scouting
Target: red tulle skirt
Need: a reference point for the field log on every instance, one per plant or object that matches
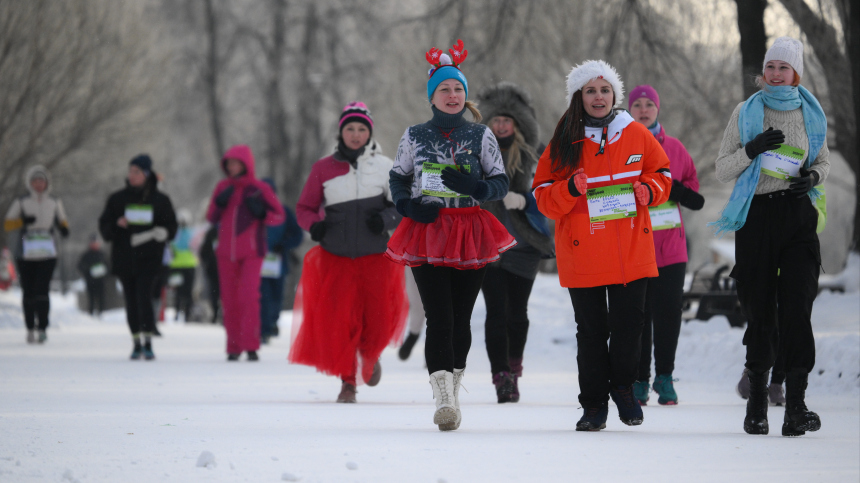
(346, 311)
(464, 238)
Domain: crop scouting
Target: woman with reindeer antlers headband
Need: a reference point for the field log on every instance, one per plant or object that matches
(444, 169)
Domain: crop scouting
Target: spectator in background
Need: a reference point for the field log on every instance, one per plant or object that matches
(280, 239)
(93, 267)
(210, 269)
(183, 266)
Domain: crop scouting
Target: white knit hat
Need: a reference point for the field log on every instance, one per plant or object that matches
(592, 69)
(788, 50)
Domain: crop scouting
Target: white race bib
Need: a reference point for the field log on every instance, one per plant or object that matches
(665, 216)
(39, 245)
(175, 280)
(98, 270)
(783, 163)
(271, 266)
(138, 214)
(431, 180)
(611, 202)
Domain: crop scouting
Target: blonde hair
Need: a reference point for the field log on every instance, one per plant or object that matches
(473, 108)
(515, 162)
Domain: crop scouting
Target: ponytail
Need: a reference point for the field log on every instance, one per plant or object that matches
(473, 109)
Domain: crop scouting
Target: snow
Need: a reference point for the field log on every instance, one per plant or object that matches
(76, 409)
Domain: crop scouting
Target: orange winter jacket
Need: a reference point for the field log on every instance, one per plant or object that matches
(613, 251)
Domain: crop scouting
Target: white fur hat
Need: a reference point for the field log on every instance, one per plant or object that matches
(788, 50)
(592, 69)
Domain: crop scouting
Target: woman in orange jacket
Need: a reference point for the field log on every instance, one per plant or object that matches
(596, 179)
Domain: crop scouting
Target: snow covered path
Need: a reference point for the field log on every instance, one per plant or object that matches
(76, 409)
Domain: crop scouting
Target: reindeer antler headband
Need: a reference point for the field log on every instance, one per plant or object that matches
(446, 66)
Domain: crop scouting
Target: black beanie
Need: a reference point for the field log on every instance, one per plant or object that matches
(144, 162)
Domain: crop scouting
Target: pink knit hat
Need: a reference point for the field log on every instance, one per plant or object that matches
(643, 91)
(355, 111)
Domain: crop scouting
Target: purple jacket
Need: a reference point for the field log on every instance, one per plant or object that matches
(670, 246)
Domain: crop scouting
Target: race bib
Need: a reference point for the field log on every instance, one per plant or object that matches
(98, 270)
(665, 216)
(783, 163)
(38, 245)
(271, 266)
(138, 214)
(611, 202)
(431, 180)
(175, 280)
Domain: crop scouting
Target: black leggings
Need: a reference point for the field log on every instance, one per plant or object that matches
(35, 283)
(663, 313)
(184, 294)
(137, 292)
(96, 295)
(507, 326)
(600, 366)
(448, 296)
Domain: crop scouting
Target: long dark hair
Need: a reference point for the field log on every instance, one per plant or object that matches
(565, 147)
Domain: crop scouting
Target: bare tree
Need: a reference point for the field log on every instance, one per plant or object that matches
(753, 40)
(68, 71)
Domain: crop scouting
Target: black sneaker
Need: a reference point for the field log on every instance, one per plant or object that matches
(406, 348)
(593, 419)
(233, 357)
(629, 410)
(137, 352)
(147, 352)
(504, 383)
(252, 356)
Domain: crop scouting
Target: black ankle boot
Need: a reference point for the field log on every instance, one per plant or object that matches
(756, 420)
(798, 419)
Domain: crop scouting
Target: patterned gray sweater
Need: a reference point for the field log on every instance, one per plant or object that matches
(733, 159)
(448, 139)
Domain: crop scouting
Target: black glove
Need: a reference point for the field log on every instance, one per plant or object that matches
(765, 141)
(375, 224)
(418, 211)
(685, 196)
(804, 183)
(318, 231)
(463, 183)
(256, 206)
(64, 231)
(28, 219)
(224, 197)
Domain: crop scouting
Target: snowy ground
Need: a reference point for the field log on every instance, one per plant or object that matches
(77, 410)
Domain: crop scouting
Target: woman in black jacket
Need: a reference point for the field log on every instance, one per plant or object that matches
(138, 220)
(509, 281)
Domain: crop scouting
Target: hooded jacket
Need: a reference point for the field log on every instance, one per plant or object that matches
(47, 210)
(128, 260)
(670, 246)
(593, 254)
(345, 197)
(240, 234)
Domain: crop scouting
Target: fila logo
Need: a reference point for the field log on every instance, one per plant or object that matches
(634, 158)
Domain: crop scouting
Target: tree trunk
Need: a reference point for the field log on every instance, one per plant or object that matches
(753, 41)
(210, 77)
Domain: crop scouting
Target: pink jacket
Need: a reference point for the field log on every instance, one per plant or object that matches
(240, 234)
(670, 246)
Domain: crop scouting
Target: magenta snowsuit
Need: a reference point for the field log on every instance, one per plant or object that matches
(670, 246)
(241, 249)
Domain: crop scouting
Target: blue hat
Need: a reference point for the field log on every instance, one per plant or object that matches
(444, 68)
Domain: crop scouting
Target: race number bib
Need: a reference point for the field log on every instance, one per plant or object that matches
(175, 280)
(98, 270)
(39, 245)
(431, 180)
(665, 216)
(271, 266)
(611, 202)
(138, 214)
(783, 163)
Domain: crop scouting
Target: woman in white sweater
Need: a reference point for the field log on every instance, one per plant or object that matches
(775, 150)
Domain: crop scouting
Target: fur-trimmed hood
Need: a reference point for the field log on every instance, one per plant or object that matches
(592, 69)
(511, 100)
(32, 173)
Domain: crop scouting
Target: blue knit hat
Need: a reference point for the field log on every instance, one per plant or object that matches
(444, 68)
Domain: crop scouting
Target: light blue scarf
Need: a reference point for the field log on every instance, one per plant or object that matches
(750, 123)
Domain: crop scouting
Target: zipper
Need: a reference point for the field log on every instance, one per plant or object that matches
(617, 230)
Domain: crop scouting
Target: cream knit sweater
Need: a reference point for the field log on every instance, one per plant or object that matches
(733, 159)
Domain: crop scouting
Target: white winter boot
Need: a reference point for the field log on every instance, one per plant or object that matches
(458, 378)
(445, 416)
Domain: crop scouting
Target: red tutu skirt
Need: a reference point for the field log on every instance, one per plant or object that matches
(464, 238)
(346, 311)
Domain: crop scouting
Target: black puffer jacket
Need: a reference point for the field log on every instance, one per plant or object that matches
(128, 261)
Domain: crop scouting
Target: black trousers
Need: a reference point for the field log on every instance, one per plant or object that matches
(778, 262)
(507, 325)
(184, 294)
(663, 303)
(35, 284)
(603, 366)
(96, 295)
(137, 292)
(448, 296)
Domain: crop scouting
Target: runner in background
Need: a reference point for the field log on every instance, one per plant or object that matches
(93, 267)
